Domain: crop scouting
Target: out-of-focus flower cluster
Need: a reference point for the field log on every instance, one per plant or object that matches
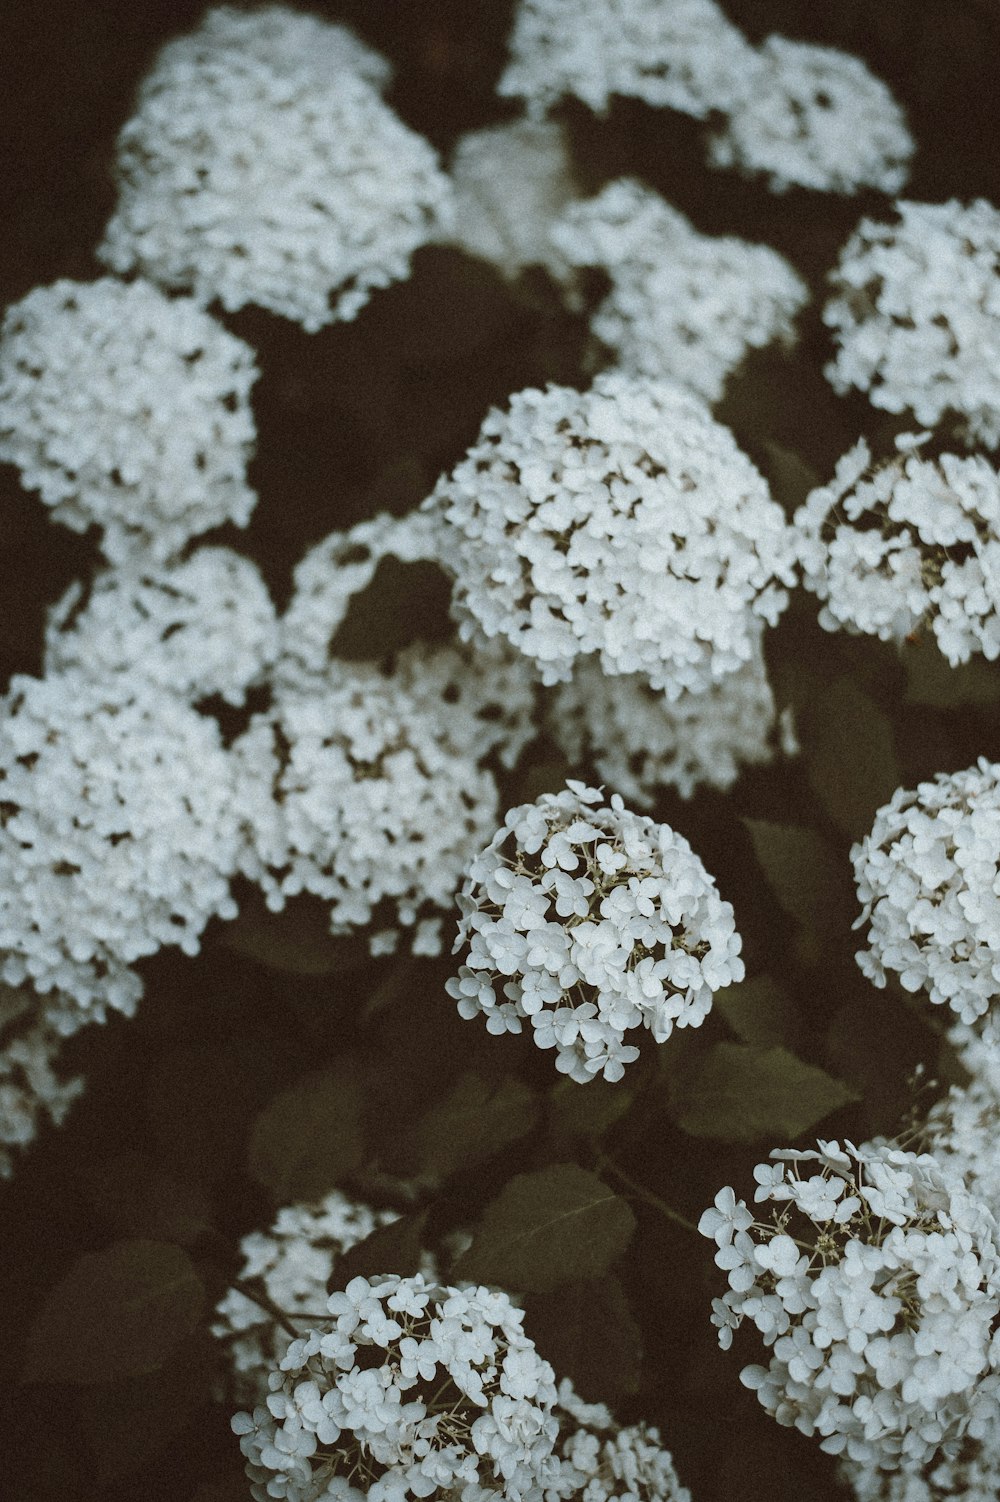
(594, 921)
(911, 543)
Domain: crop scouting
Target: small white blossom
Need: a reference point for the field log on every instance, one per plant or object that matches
(593, 947)
(916, 316)
(928, 876)
(127, 410)
(622, 521)
(815, 117)
(262, 166)
(30, 1089)
(601, 1461)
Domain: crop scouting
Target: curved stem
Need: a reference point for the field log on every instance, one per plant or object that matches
(647, 1195)
(263, 1302)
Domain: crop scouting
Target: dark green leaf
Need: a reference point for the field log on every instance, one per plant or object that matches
(117, 1313)
(850, 756)
(790, 477)
(548, 1228)
(587, 1114)
(810, 880)
(309, 1136)
(395, 1248)
(589, 1334)
(931, 680)
(139, 1198)
(743, 1093)
(473, 1122)
(758, 1011)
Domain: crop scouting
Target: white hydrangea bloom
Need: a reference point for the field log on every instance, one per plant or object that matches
(262, 166)
(291, 1264)
(685, 56)
(874, 1280)
(365, 790)
(511, 182)
(683, 306)
(640, 742)
(118, 834)
(333, 572)
(204, 626)
(604, 1462)
(624, 521)
(599, 921)
(815, 117)
(971, 1475)
(916, 316)
(411, 1390)
(30, 1089)
(928, 878)
(128, 410)
(912, 543)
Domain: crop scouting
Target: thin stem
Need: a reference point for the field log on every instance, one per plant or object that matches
(263, 1302)
(647, 1195)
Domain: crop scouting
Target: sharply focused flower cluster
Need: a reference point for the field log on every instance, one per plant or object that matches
(127, 410)
(874, 1279)
(641, 742)
(29, 1086)
(683, 306)
(916, 316)
(291, 1264)
(262, 166)
(365, 786)
(415, 1390)
(912, 543)
(595, 921)
(118, 834)
(927, 877)
(684, 56)
(201, 627)
(623, 521)
(815, 117)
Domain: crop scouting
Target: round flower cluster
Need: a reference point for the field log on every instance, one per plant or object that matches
(129, 410)
(204, 626)
(961, 1130)
(623, 520)
(511, 182)
(928, 876)
(640, 742)
(292, 1264)
(875, 1281)
(118, 834)
(683, 306)
(262, 166)
(29, 1085)
(599, 921)
(684, 56)
(916, 316)
(601, 1461)
(914, 542)
(413, 1390)
(363, 789)
(815, 117)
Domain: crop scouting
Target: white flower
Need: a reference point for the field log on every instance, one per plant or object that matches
(927, 877)
(30, 1089)
(129, 410)
(876, 1283)
(916, 317)
(262, 166)
(643, 944)
(815, 117)
(683, 306)
(622, 521)
(600, 1461)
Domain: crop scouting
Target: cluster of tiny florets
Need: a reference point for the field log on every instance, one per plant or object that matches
(127, 410)
(291, 1265)
(118, 834)
(602, 1461)
(683, 306)
(412, 1390)
(815, 117)
(366, 790)
(874, 1279)
(909, 544)
(594, 922)
(641, 742)
(30, 1088)
(684, 56)
(263, 166)
(624, 521)
(916, 317)
(927, 876)
(201, 627)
